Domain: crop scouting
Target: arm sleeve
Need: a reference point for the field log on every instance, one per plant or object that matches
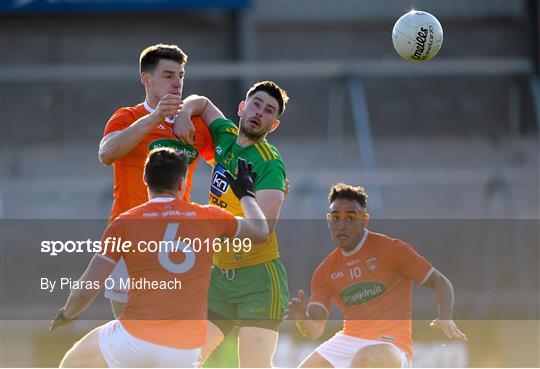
(321, 294)
(114, 229)
(406, 261)
(121, 119)
(223, 130)
(272, 176)
(203, 140)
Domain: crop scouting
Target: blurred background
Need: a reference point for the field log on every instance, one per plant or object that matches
(448, 150)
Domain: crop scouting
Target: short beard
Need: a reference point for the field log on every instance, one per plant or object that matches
(250, 135)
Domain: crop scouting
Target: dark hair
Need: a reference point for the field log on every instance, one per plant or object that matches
(272, 89)
(164, 168)
(345, 191)
(151, 56)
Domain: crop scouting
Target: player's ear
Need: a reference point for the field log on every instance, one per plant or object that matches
(241, 108)
(328, 219)
(145, 78)
(182, 185)
(274, 126)
(365, 220)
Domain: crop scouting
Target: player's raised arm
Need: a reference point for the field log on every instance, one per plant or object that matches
(117, 144)
(88, 287)
(310, 320)
(194, 105)
(445, 303)
(270, 202)
(254, 225)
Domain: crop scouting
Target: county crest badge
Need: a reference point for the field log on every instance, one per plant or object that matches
(371, 265)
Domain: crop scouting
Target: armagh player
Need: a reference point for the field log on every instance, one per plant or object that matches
(131, 131)
(165, 326)
(369, 276)
(247, 288)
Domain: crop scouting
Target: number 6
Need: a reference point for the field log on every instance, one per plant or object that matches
(163, 256)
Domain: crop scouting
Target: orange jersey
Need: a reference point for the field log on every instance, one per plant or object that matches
(129, 189)
(174, 312)
(372, 286)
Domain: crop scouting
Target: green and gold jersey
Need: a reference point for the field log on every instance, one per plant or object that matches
(271, 174)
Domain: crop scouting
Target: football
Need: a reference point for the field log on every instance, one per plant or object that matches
(417, 36)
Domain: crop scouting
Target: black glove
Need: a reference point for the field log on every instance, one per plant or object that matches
(59, 320)
(244, 183)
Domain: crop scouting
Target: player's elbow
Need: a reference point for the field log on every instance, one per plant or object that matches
(258, 239)
(261, 235)
(105, 156)
(256, 230)
(196, 102)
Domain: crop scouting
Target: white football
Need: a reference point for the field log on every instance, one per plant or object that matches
(417, 36)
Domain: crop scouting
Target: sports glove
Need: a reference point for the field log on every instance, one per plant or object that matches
(244, 183)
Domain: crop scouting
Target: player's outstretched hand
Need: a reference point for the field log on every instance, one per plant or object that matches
(297, 307)
(449, 328)
(59, 320)
(244, 183)
(184, 128)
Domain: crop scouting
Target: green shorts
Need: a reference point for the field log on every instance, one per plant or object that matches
(257, 292)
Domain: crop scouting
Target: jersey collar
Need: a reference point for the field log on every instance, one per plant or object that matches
(357, 247)
(150, 110)
(162, 199)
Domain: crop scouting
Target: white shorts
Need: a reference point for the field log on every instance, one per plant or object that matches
(122, 350)
(340, 350)
(116, 293)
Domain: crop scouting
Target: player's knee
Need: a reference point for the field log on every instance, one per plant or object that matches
(261, 358)
(256, 347)
(377, 356)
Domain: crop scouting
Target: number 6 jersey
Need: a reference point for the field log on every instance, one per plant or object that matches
(157, 310)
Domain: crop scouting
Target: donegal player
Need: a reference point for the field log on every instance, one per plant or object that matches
(247, 288)
(164, 322)
(370, 277)
(132, 131)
